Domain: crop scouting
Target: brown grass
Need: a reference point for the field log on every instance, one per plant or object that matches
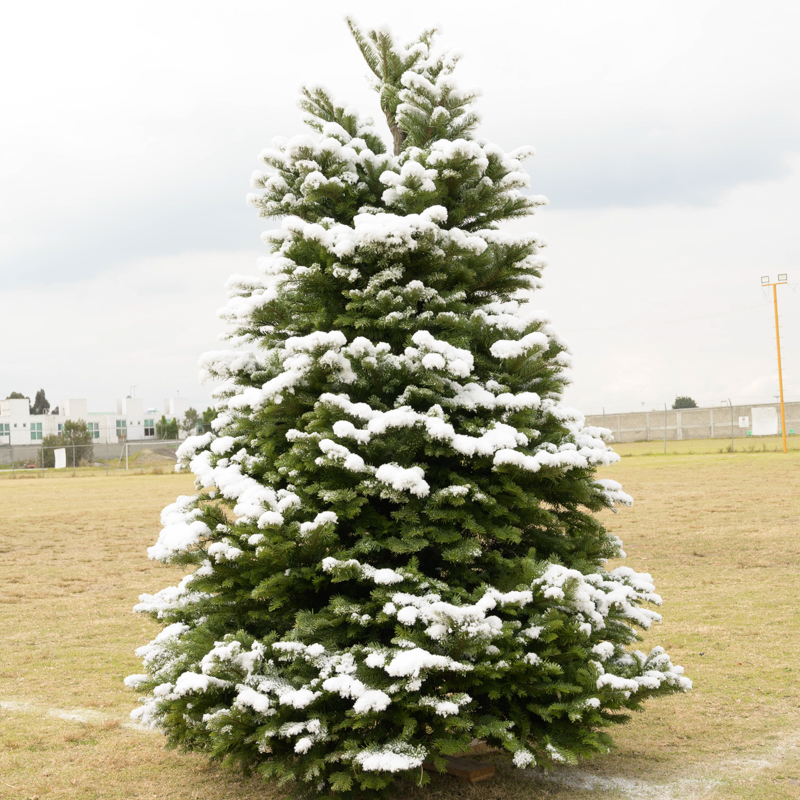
(683, 447)
(720, 535)
(718, 532)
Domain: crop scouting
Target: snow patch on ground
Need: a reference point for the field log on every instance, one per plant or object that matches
(681, 789)
(71, 714)
(689, 787)
(685, 788)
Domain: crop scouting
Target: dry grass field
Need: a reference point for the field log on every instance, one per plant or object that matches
(719, 532)
(744, 444)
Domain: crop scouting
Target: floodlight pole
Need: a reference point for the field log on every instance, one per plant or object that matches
(781, 280)
(780, 372)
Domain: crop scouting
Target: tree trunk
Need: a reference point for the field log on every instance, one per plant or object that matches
(398, 135)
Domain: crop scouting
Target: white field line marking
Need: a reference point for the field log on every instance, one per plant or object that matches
(678, 789)
(71, 715)
(681, 789)
(684, 788)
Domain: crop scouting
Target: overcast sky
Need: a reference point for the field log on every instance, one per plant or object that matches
(667, 137)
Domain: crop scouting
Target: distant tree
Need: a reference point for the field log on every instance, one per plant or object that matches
(49, 443)
(41, 405)
(209, 415)
(75, 438)
(191, 420)
(167, 428)
(54, 411)
(77, 433)
(684, 402)
(17, 396)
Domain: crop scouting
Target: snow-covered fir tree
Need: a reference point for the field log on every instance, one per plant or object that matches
(393, 543)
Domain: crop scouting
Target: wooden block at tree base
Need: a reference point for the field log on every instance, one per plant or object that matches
(477, 746)
(465, 769)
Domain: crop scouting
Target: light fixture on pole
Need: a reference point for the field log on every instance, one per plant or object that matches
(782, 278)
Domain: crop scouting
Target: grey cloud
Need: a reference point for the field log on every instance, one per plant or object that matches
(167, 218)
(648, 163)
(594, 163)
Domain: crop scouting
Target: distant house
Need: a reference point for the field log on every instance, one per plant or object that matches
(131, 422)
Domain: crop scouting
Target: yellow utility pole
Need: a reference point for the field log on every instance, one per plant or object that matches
(765, 282)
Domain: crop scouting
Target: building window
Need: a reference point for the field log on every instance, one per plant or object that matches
(5, 432)
(94, 429)
(36, 431)
(149, 427)
(60, 428)
(122, 429)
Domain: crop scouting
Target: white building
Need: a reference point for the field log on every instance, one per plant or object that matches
(130, 422)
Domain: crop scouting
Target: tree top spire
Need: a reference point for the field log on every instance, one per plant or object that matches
(408, 103)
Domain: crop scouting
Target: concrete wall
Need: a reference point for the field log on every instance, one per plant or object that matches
(689, 423)
(74, 409)
(176, 407)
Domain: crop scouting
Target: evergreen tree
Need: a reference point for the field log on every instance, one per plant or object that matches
(41, 405)
(191, 421)
(167, 428)
(684, 402)
(393, 540)
(208, 417)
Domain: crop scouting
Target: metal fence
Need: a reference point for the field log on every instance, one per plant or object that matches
(113, 457)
